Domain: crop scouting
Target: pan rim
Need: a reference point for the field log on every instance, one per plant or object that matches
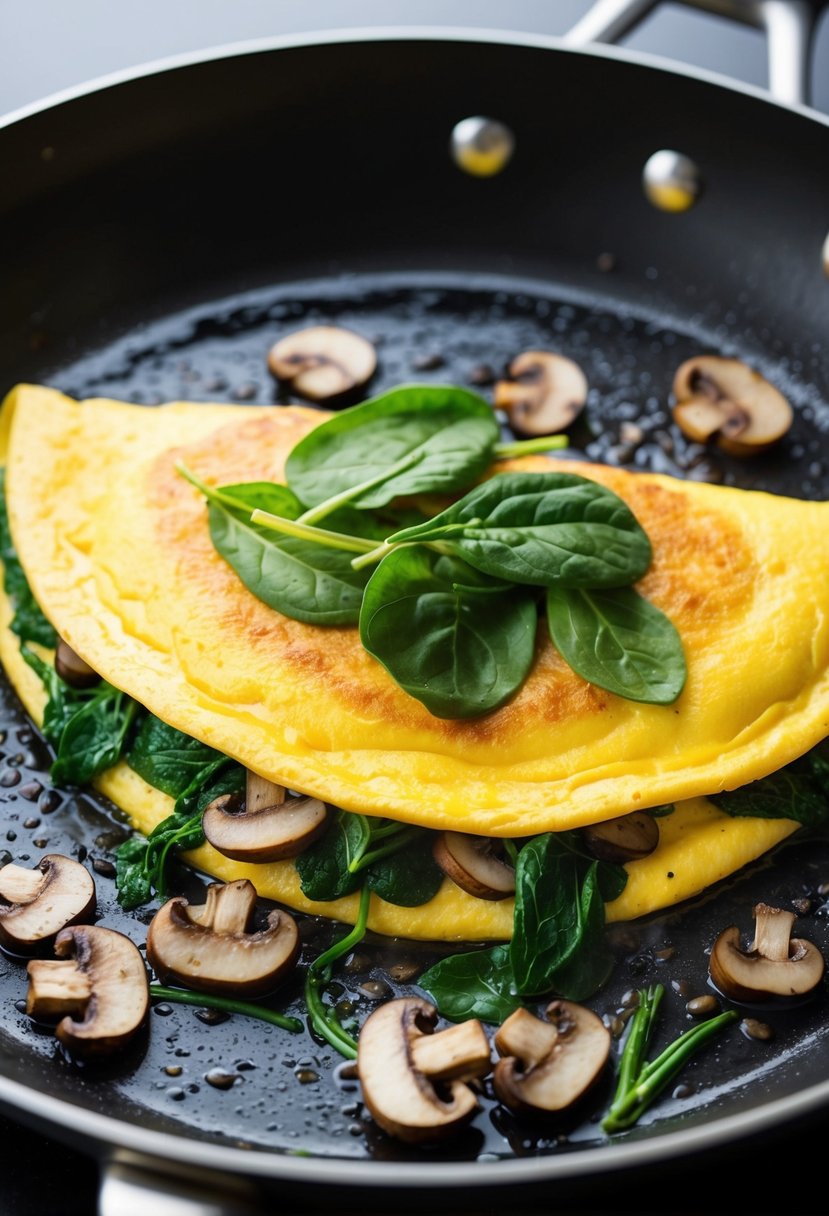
(103, 1134)
(403, 33)
(107, 1137)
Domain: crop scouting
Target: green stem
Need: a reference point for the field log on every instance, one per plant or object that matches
(511, 852)
(374, 555)
(210, 492)
(398, 842)
(320, 536)
(655, 1076)
(346, 496)
(227, 1004)
(526, 447)
(322, 1018)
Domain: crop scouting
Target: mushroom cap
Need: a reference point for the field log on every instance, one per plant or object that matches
(72, 669)
(271, 833)
(323, 362)
(545, 394)
(725, 398)
(624, 838)
(111, 967)
(471, 864)
(549, 1065)
(399, 1091)
(57, 892)
(775, 965)
(210, 949)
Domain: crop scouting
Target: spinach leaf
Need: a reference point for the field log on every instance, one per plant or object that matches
(800, 791)
(619, 641)
(141, 866)
(323, 869)
(476, 984)
(88, 727)
(409, 877)
(167, 758)
(558, 929)
(28, 621)
(541, 529)
(302, 579)
(459, 653)
(416, 439)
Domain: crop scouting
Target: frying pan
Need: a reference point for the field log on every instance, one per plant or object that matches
(160, 229)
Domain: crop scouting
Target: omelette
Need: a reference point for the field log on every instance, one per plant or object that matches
(116, 549)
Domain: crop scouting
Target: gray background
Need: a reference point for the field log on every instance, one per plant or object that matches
(46, 45)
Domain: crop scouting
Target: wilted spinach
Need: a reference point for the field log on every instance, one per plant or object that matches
(88, 727)
(28, 621)
(800, 791)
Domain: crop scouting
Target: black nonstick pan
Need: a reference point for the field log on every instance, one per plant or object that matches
(157, 235)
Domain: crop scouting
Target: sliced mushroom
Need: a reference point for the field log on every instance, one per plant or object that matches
(549, 1065)
(262, 825)
(726, 399)
(544, 394)
(323, 362)
(414, 1082)
(212, 948)
(72, 669)
(471, 863)
(102, 994)
(40, 902)
(625, 838)
(775, 964)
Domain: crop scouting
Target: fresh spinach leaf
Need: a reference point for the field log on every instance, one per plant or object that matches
(132, 881)
(475, 984)
(618, 641)
(460, 654)
(166, 758)
(417, 439)
(302, 579)
(558, 929)
(409, 877)
(61, 700)
(28, 621)
(541, 529)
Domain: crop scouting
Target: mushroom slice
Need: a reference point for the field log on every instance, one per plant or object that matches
(40, 902)
(544, 394)
(263, 826)
(726, 399)
(414, 1082)
(212, 948)
(549, 1065)
(470, 862)
(323, 362)
(625, 838)
(775, 964)
(102, 989)
(72, 669)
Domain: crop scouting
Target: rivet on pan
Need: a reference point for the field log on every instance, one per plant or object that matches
(672, 181)
(482, 146)
(826, 255)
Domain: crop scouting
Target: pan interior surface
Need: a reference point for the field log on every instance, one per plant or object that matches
(256, 1087)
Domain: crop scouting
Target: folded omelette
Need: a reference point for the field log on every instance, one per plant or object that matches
(115, 545)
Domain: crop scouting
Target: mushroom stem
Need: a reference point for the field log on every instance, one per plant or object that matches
(772, 932)
(457, 1054)
(56, 989)
(526, 1037)
(261, 793)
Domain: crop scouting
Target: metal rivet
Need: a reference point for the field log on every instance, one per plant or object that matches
(672, 182)
(826, 256)
(482, 146)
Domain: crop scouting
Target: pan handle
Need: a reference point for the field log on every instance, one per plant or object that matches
(136, 1187)
(789, 26)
